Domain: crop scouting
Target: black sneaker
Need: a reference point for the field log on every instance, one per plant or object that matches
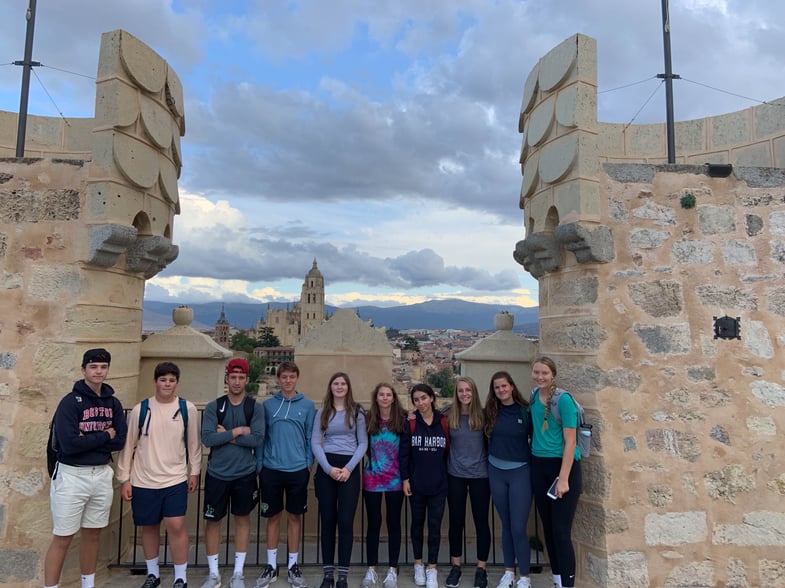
(151, 581)
(454, 577)
(327, 582)
(341, 583)
(480, 578)
(295, 577)
(268, 576)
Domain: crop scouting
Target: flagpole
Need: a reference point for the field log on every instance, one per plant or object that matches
(27, 65)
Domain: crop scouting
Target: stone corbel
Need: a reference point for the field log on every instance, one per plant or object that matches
(538, 254)
(108, 242)
(588, 246)
(149, 255)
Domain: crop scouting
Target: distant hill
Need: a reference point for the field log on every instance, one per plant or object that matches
(434, 314)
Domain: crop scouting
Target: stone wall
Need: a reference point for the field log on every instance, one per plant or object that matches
(635, 261)
(79, 234)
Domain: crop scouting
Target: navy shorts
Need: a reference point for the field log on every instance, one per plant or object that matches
(152, 505)
(274, 483)
(242, 492)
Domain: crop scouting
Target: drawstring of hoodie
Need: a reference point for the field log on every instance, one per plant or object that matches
(288, 407)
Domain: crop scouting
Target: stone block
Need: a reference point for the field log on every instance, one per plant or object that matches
(18, 565)
(630, 444)
(573, 291)
(665, 339)
(701, 373)
(577, 200)
(761, 425)
(630, 173)
(3, 445)
(596, 478)
(646, 140)
(623, 378)
(714, 220)
(647, 238)
(3, 244)
(676, 528)
(659, 298)
(588, 245)
(31, 206)
(82, 322)
(573, 334)
(727, 298)
(54, 283)
(760, 528)
(691, 251)
(769, 393)
(589, 525)
(737, 574)
(715, 397)
(767, 120)
(753, 224)
(674, 443)
(7, 360)
(778, 145)
(659, 214)
(576, 106)
(699, 574)
(777, 485)
(690, 136)
(777, 251)
(628, 569)
(760, 177)
(660, 495)
(771, 573)
(757, 339)
(738, 253)
(56, 360)
(720, 434)
(618, 211)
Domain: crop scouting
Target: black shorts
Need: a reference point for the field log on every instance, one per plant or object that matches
(242, 492)
(273, 484)
(151, 505)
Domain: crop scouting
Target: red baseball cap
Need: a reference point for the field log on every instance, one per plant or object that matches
(238, 364)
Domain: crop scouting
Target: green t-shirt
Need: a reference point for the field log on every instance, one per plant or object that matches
(550, 442)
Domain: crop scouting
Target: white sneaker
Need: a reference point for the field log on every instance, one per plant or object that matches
(419, 574)
(430, 578)
(524, 582)
(391, 579)
(370, 579)
(212, 581)
(507, 580)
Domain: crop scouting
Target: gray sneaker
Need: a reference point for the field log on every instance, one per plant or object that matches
(391, 579)
(268, 576)
(237, 581)
(212, 581)
(370, 579)
(296, 577)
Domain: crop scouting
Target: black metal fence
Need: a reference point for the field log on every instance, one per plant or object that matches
(130, 556)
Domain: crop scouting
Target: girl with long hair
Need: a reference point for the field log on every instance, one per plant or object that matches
(507, 427)
(382, 480)
(424, 448)
(467, 474)
(555, 456)
(339, 442)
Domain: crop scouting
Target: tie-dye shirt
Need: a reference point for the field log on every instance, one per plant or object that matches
(382, 471)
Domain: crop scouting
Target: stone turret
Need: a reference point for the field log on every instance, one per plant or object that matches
(661, 302)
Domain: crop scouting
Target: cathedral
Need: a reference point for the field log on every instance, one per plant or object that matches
(290, 324)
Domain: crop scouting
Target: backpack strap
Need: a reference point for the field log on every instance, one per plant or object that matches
(248, 407)
(446, 428)
(555, 405)
(144, 409)
(184, 415)
(220, 408)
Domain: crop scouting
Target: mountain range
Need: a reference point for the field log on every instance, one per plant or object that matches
(434, 314)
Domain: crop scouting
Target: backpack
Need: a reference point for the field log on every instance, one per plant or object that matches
(183, 410)
(249, 405)
(445, 427)
(583, 430)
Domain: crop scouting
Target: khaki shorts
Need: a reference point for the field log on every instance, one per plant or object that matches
(80, 497)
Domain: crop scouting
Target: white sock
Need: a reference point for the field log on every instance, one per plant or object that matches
(152, 567)
(557, 580)
(293, 558)
(272, 557)
(179, 572)
(239, 562)
(88, 580)
(212, 563)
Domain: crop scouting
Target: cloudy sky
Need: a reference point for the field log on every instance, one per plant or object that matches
(378, 137)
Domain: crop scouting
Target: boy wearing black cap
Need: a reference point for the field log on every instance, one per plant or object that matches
(89, 425)
(233, 428)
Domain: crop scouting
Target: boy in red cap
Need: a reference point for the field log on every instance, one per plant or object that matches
(233, 427)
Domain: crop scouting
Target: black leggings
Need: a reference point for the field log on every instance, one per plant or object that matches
(434, 506)
(373, 507)
(337, 505)
(557, 515)
(479, 491)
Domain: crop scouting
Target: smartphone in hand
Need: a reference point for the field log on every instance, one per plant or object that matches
(552, 489)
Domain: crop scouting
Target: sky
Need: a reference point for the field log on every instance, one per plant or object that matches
(379, 138)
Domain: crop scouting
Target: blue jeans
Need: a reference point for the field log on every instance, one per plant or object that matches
(512, 495)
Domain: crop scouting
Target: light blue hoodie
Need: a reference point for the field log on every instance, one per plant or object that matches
(287, 443)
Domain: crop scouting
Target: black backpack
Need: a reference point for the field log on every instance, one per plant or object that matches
(52, 451)
(249, 405)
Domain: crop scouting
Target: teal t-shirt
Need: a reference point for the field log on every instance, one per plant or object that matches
(550, 442)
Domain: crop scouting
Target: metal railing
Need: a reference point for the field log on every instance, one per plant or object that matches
(130, 556)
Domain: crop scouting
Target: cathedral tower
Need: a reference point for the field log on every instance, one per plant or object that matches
(312, 300)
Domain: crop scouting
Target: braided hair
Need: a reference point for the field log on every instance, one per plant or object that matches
(551, 365)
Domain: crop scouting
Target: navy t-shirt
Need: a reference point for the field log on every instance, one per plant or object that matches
(509, 439)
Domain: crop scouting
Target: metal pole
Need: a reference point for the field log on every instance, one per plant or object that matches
(27, 66)
(666, 40)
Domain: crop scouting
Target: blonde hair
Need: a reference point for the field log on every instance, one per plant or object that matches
(551, 365)
(476, 412)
